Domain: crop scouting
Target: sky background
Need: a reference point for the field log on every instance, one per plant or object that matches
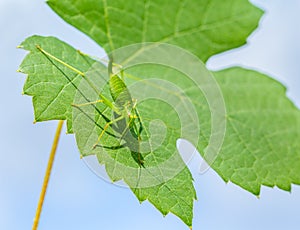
(77, 199)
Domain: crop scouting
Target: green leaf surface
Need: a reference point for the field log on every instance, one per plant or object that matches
(261, 142)
(52, 91)
(203, 27)
(261, 145)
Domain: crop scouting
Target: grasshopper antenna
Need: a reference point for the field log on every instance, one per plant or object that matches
(110, 65)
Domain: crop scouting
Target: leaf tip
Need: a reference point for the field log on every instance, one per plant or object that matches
(34, 121)
(20, 47)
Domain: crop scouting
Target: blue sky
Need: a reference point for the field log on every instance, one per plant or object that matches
(77, 199)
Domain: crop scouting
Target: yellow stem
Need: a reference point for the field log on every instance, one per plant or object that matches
(47, 176)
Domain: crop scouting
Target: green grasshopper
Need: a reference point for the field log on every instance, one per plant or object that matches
(123, 107)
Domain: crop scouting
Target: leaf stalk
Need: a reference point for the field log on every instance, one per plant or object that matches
(47, 175)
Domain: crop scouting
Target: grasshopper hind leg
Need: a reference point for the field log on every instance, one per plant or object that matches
(107, 125)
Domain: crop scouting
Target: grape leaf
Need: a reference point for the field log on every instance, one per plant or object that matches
(261, 142)
(261, 145)
(168, 186)
(50, 87)
(204, 28)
